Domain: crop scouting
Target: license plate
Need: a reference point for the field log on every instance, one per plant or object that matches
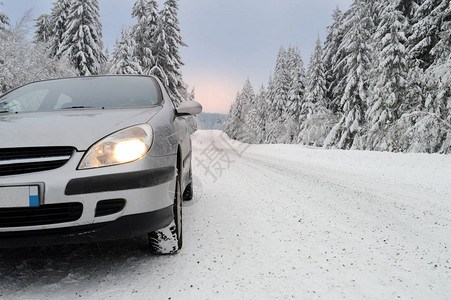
(19, 196)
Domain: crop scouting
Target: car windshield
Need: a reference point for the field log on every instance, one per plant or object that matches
(83, 92)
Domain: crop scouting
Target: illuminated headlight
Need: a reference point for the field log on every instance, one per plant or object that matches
(122, 147)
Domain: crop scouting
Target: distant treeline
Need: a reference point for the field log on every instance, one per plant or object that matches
(210, 121)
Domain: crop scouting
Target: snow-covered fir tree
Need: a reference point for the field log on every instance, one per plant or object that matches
(374, 11)
(4, 20)
(270, 130)
(248, 132)
(44, 30)
(438, 90)
(22, 61)
(436, 136)
(430, 34)
(234, 121)
(424, 125)
(168, 61)
(356, 64)
(316, 119)
(429, 129)
(240, 123)
(251, 131)
(82, 41)
(58, 24)
(315, 94)
(261, 115)
(331, 58)
(279, 99)
(442, 50)
(282, 84)
(296, 90)
(144, 33)
(125, 60)
(391, 73)
(408, 7)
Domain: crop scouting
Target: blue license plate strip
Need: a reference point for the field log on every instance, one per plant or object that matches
(33, 195)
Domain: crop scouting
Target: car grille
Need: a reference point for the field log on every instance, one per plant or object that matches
(43, 215)
(14, 161)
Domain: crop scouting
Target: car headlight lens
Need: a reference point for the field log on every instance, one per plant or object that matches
(122, 147)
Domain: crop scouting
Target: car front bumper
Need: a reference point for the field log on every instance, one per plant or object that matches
(146, 187)
(123, 228)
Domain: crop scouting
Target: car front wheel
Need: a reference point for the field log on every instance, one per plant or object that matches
(189, 191)
(168, 240)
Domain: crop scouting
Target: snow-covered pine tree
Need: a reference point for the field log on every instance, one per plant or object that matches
(234, 118)
(415, 94)
(315, 93)
(144, 32)
(58, 24)
(43, 31)
(296, 90)
(437, 108)
(168, 62)
(248, 131)
(227, 125)
(331, 58)
(22, 61)
(356, 46)
(443, 102)
(262, 113)
(389, 89)
(124, 59)
(279, 100)
(4, 20)
(374, 11)
(442, 50)
(425, 123)
(82, 41)
(408, 7)
(337, 87)
(240, 124)
(281, 84)
(271, 120)
(428, 130)
(316, 119)
(430, 34)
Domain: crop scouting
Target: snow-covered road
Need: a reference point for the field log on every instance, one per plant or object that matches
(273, 222)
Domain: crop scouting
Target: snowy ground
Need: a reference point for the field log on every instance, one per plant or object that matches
(280, 222)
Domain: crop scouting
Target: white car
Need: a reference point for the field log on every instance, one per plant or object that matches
(91, 159)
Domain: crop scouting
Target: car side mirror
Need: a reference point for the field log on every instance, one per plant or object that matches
(188, 108)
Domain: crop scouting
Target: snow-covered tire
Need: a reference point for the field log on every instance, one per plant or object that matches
(189, 190)
(169, 240)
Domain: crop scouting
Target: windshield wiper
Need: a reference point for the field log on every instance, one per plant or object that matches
(4, 111)
(78, 106)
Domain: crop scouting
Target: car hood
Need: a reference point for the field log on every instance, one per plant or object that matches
(78, 128)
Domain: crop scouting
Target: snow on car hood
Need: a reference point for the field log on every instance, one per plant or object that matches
(79, 128)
